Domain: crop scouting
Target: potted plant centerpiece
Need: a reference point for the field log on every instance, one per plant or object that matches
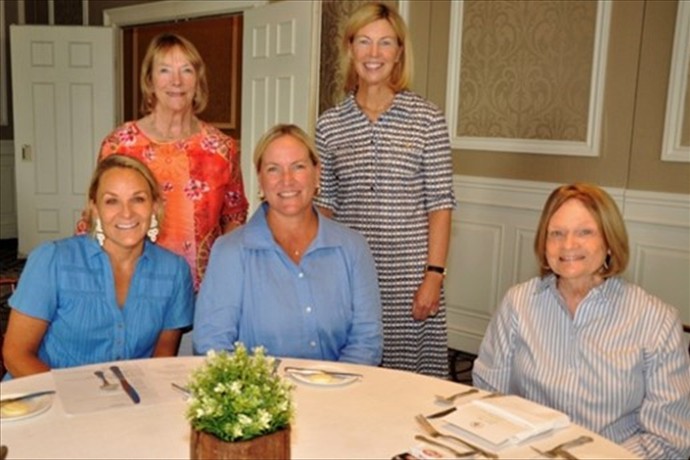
(239, 407)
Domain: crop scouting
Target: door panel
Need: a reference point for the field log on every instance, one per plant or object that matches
(280, 71)
(63, 94)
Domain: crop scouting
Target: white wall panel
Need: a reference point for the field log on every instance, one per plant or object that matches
(492, 248)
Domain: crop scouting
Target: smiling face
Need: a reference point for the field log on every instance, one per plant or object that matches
(575, 247)
(288, 176)
(174, 81)
(375, 52)
(124, 204)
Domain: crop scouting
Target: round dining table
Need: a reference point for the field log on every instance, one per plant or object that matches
(371, 416)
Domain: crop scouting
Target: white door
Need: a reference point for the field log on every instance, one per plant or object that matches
(280, 62)
(63, 81)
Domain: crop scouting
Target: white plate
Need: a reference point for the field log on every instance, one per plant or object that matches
(322, 379)
(20, 410)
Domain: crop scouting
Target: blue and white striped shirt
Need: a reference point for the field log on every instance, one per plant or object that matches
(618, 367)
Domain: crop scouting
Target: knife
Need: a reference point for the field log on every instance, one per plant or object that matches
(26, 396)
(311, 371)
(129, 389)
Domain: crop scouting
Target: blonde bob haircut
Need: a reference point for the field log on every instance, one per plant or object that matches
(401, 76)
(279, 131)
(605, 213)
(125, 162)
(161, 45)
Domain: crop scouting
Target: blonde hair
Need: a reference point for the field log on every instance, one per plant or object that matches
(161, 45)
(401, 76)
(605, 213)
(127, 162)
(281, 130)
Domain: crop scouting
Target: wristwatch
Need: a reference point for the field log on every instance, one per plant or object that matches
(437, 269)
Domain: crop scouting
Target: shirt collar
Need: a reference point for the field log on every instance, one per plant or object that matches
(93, 249)
(258, 235)
(399, 102)
(606, 290)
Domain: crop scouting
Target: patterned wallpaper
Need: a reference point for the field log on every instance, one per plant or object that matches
(526, 69)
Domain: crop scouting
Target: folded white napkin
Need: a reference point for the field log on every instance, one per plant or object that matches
(506, 420)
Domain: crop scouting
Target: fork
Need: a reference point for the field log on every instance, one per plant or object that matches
(559, 450)
(451, 398)
(434, 433)
(457, 453)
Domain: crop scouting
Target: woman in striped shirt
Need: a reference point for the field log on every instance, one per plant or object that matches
(387, 172)
(584, 341)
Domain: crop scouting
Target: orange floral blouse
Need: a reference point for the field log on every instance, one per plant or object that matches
(201, 181)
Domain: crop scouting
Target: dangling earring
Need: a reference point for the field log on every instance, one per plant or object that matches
(317, 192)
(262, 197)
(153, 229)
(100, 236)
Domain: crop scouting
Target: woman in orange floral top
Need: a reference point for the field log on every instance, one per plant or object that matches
(196, 165)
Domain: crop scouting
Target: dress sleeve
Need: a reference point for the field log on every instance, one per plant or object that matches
(365, 339)
(36, 294)
(665, 411)
(235, 204)
(219, 303)
(438, 165)
(327, 195)
(493, 366)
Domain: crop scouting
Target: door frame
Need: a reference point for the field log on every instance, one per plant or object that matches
(166, 10)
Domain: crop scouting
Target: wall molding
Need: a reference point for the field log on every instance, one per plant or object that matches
(672, 150)
(492, 237)
(587, 148)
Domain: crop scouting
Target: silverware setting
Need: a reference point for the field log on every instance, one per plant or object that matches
(35, 394)
(434, 433)
(456, 453)
(560, 450)
(181, 389)
(312, 371)
(107, 386)
(442, 413)
(126, 386)
(450, 399)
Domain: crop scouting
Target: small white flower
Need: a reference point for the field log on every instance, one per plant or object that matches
(244, 420)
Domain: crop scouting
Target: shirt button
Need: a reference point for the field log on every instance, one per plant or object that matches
(301, 275)
(308, 309)
(312, 344)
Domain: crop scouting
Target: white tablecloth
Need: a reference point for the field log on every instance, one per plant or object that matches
(370, 418)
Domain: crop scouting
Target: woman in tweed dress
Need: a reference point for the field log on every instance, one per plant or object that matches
(387, 172)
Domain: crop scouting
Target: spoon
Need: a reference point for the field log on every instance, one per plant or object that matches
(106, 385)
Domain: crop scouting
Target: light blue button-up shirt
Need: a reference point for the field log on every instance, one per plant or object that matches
(618, 367)
(326, 307)
(69, 283)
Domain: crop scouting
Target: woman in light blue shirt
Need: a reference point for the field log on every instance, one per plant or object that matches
(583, 340)
(110, 296)
(291, 280)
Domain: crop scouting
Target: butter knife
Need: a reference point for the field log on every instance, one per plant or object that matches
(312, 371)
(129, 389)
(26, 396)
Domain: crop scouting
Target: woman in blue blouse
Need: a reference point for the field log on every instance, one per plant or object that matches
(107, 296)
(291, 280)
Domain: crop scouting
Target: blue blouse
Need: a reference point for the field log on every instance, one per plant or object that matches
(69, 283)
(326, 307)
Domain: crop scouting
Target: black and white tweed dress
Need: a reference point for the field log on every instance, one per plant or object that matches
(383, 179)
